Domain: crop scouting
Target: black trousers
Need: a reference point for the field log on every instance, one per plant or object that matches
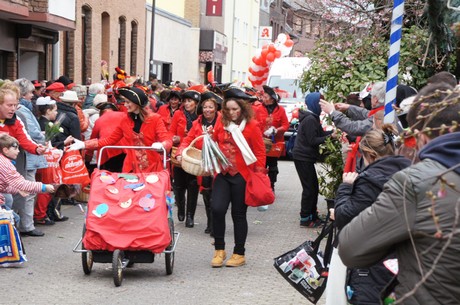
(310, 189)
(272, 164)
(228, 189)
(185, 183)
(114, 164)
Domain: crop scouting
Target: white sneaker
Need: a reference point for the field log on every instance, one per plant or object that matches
(262, 208)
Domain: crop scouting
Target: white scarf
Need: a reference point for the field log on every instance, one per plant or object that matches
(241, 142)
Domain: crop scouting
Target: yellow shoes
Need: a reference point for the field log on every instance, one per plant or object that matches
(218, 259)
(236, 260)
(219, 256)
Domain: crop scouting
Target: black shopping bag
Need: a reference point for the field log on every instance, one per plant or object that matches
(306, 268)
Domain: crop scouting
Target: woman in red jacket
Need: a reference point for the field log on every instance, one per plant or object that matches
(167, 111)
(210, 118)
(274, 124)
(184, 182)
(230, 185)
(139, 128)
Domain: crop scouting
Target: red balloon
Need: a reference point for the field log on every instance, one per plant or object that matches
(271, 48)
(289, 43)
(255, 60)
(264, 53)
(295, 113)
(251, 71)
(270, 57)
(277, 54)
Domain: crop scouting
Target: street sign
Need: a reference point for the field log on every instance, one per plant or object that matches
(265, 33)
(214, 8)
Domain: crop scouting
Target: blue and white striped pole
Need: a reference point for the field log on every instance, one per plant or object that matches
(393, 60)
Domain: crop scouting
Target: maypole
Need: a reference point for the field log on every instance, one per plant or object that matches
(393, 60)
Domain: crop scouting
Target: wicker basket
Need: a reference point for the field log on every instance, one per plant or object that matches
(268, 144)
(83, 195)
(191, 160)
(173, 157)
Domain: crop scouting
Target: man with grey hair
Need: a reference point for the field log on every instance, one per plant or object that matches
(357, 120)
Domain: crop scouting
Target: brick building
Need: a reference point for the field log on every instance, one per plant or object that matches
(111, 31)
(28, 31)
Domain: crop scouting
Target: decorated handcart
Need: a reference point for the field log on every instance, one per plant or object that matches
(129, 219)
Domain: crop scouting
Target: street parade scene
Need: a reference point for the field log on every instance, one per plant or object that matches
(230, 152)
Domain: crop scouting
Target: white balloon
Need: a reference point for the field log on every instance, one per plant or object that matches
(282, 38)
(256, 68)
(285, 50)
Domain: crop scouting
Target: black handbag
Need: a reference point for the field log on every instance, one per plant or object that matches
(306, 268)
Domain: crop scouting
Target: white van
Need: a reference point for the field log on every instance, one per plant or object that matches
(285, 74)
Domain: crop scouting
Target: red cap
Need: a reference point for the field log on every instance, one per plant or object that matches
(37, 84)
(57, 86)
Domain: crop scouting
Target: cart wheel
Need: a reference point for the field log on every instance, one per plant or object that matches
(117, 267)
(86, 257)
(169, 257)
(86, 261)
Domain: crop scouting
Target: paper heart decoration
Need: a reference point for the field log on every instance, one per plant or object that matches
(135, 186)
(112, 189)
(125, 203)
(107, 178)
(101, 210)
(129, 177)
(147, 202)
(152, 179)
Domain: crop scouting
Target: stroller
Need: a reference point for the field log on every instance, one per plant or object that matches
(129, 219)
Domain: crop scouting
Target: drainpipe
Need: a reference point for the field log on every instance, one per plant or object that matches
(55, 60)
(233, 41)
(152, 32)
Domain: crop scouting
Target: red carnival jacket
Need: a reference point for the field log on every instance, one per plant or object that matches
(104, 127)
(179, 125)
(277, 119)
(229, 148)
(15, 128)
(196, 131)
(166, 114)
(152, 130)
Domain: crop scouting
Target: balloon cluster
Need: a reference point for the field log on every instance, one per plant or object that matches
(261, 62)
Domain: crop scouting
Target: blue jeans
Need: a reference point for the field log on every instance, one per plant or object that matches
(9, 207)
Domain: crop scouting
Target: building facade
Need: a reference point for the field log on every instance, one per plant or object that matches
(241, 28)
(29, 30)
(108, 34)
(175, 37)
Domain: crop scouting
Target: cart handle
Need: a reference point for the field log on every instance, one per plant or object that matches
(99, 157)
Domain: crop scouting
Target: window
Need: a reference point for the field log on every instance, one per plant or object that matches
(86, 58)
(133, 66)
(236, 28)
(105, 38)
(255, 36)
(245, 33)
(122, 42)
